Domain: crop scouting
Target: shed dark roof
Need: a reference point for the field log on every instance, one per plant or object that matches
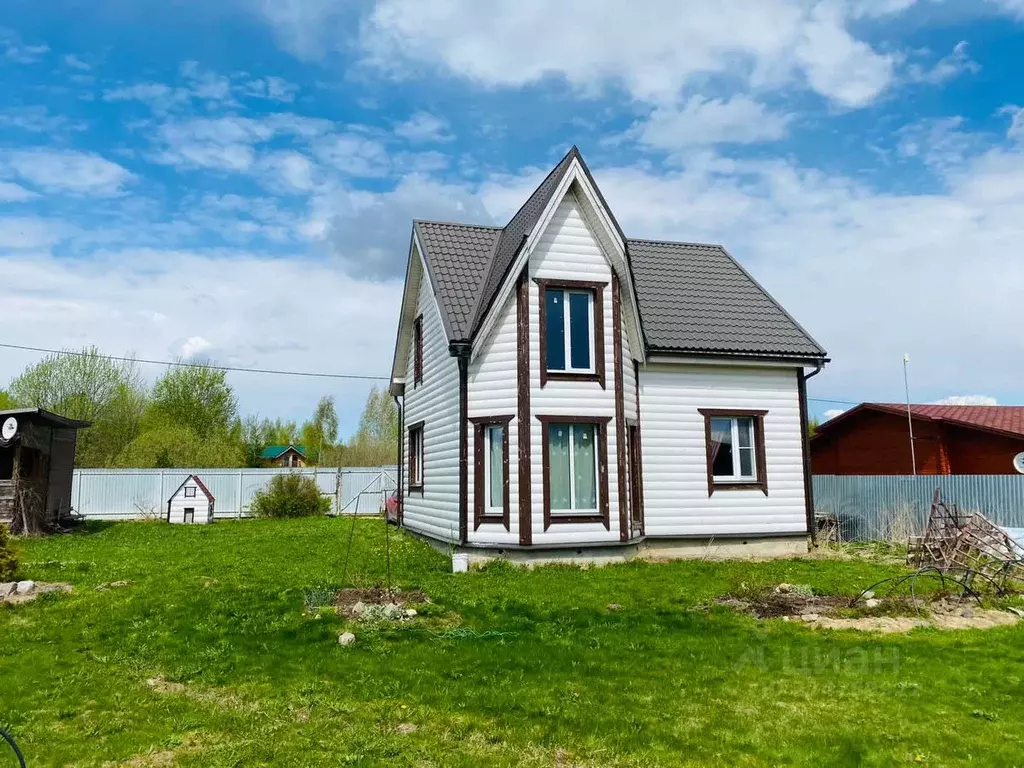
(1002, 419)
(693, 298)
(44, 417)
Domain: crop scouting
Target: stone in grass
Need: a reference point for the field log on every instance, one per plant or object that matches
(346, 638)
(868, 595)
(1018, 612)
(7, 588)
(613, 607)
(410, 613)
(872, 602)
(394, 611)
(810, 617)
(25, 587)
(358, 609)
(406, 728)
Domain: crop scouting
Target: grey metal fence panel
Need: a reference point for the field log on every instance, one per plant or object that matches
(121, 494)
(882, 506)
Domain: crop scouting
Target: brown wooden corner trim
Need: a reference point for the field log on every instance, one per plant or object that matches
(761, 484)
(554, 518)
(599, 351)
(463, 362)
(523, 421)
(480, 515)
(620, 412)
(417, 355)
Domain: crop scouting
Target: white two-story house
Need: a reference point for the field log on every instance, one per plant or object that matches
(564, 387)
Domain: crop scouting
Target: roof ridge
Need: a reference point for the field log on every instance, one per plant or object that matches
(457, 224)
(674, 242)
(572, 150)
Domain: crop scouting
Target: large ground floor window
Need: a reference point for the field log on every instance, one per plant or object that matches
(575, 469)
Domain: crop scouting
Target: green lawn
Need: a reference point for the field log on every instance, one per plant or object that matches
(549, 676)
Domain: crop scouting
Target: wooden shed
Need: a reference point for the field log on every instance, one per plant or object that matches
(874, 439)
(191, 503)
(37, 461)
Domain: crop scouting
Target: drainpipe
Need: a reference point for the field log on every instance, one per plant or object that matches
(805, 442)
(400, 493)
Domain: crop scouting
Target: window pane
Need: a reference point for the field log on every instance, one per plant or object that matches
(579, 330)
(745, 427)
(721, 447)
(558, 463)
(746, 462)
(585, 471)
(495, 437)
(555, 329)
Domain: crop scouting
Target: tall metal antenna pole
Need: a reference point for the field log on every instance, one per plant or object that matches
(910, 419)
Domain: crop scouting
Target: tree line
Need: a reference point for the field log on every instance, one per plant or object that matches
(189, 417)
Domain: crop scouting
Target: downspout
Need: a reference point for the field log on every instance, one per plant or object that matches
(805, 442)
(461, 350)
(401, 455)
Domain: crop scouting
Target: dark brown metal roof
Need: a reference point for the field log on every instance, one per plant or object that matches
(40, 415)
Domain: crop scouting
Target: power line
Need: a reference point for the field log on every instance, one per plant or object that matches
(313, 374)
(826, 400)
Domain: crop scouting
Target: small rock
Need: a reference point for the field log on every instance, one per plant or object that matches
(407, 728)
(810, 617)
(868, 595)
(1016, 612)
(783, 588)
(613, 607)
(785, 618)
(346, 638)
(968, 613)
(872, 602)
(358, 608)
(24, 587)
(7, 588)
(410, 613)
(393, 611)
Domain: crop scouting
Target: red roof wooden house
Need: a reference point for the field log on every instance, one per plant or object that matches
(874, 439)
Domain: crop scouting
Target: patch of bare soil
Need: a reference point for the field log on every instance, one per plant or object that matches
(900, 614)
(346, 599)
(218, 698)
(18, 592)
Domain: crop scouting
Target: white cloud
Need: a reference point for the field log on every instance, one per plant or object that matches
(1016, 130)
(272, 88)
(158, 96)
(14, 193)
(425, 127)
(941, 144)
(68, 171)
(831, 413)
(198, 84)
(293, 314)
(1013, 7)
(700, 121)
(648, 46)
(291, 169)
(967, 400)
(15, 50)
(954, 65)
(28, 233)
(37, 119)
(76, 63)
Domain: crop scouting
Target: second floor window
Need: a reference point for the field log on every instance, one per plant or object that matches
(569, 324)
(417, 351)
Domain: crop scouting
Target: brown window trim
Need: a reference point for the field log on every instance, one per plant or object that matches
(418, 488)
(599, 350)
(554, 518)
(480, 516)
(761, 484)
(417, 355)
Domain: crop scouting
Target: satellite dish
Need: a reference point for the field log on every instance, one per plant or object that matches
(10, 429)
(1018, 462)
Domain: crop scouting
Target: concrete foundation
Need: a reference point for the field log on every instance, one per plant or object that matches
(654, 550)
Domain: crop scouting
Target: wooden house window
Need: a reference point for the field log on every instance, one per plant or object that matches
(190, 492)
(734, 441)
(417, 354)
(575, 469)
(491, 471)
(416, 457)
(571, 331)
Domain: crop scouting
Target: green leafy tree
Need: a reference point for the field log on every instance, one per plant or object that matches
(375, 443)
(320, 433)
(6, 401)
(86, 385)
(197, 397)
(164, 445)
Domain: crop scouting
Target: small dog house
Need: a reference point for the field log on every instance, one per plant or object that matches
(191, 503)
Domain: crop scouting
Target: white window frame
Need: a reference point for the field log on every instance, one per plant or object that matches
(573, 509)
(489, 508)
(566, 336)
(736, 477)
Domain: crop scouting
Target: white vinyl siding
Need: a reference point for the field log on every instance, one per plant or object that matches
(493, 391)
(435, 402)
(197, 501)
(676, 501)
(568, 250)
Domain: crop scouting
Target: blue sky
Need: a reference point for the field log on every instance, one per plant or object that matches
(235, 180)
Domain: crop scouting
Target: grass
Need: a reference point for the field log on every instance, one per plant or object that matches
(215, 655)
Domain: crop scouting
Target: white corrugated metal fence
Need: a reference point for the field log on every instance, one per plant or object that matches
(122, 494)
